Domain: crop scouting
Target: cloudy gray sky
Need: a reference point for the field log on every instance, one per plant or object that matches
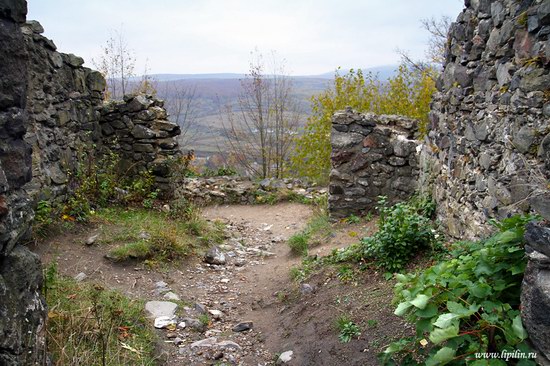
(209, 36)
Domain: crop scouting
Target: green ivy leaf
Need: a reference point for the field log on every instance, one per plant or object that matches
(442, 357)
(402, 308)
(420, 301)
(440, 335)
(428, 312)
(517, 326)
(480, 289)
(445, 320)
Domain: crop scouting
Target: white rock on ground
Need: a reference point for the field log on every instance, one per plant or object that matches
(208, 342)
(80, 277)
(216, 314)
(285, 357)
(171, 296)
(92, 239)
(163, 321)
(155, 309)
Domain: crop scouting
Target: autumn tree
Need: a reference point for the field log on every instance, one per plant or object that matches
(147, 84)
(408, 93)
(116, 63)
(259, 130)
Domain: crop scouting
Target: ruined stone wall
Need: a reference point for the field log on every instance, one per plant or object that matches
(489, 143)
(139, 131)
(64, 100)
(371, 156)
(22, 310)
(68, 119)
(226, 190)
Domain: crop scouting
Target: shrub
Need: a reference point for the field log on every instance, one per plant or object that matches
(220, 172)
(404, 230)
(98, 182)
(43, 218)
(466, 304)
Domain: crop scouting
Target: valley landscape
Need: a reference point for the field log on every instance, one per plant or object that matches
(391, 215)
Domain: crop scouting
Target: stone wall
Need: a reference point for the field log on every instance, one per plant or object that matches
(241, 190)
(64, 100)
(68, 118)
(535, 295)
(139, 131)
(489, 143)
(22, 309)
(371, 156)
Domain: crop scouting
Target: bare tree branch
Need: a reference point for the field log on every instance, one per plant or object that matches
(259, 130)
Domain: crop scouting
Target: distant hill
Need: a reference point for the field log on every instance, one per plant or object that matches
(384, 73)
(215, 90)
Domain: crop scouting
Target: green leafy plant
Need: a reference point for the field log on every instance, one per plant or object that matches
(352, 219)
(98, 182)
(347, 328)
(43, 217)
(346, 273)
(404, 230)
(372, 323)
(204, 319)
(466, 304)
(220, 172)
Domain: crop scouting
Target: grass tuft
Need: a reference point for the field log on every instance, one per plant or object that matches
(89, 325)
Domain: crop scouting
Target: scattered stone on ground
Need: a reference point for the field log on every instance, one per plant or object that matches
(92, 239)
(80, 277)
(243, 326)
(285, 357)
(162, 322)
(157, 309)
(215, 256)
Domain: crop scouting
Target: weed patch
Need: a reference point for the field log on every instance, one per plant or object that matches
(347, 328)
(89, 325)
(404, 230)
(317, 230)
(155, 236)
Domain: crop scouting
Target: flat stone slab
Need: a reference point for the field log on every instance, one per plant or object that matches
(156, 309)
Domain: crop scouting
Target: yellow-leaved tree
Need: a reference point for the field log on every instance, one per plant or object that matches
(408, 93)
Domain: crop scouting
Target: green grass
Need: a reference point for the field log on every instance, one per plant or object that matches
(317, 230)
(89, 325)
(298, 243)
(155, 236)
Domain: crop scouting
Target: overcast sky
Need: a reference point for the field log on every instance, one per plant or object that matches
(210, 36)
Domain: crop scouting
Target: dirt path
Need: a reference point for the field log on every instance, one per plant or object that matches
(253, 286)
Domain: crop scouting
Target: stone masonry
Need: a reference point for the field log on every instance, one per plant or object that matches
(139, 131)
(51, 111)
(488, 150)
(489, 143)
(22, 309)
(69, 118)
(371, 156)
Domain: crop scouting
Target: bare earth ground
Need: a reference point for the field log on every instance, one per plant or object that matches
(253, 286)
